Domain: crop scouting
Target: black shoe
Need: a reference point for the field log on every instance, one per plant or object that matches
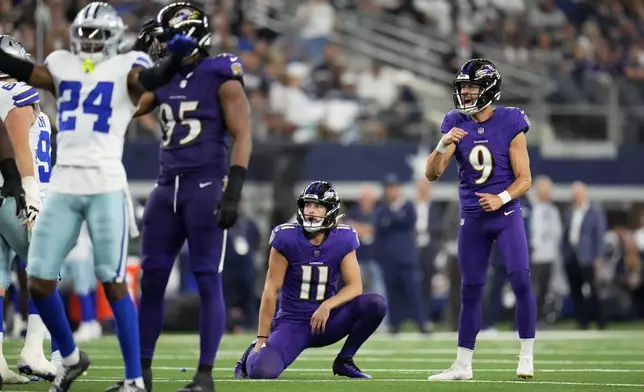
(202, 382)
(68, 374)
(147, 381)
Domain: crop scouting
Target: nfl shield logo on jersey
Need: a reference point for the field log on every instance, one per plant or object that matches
(481, 130)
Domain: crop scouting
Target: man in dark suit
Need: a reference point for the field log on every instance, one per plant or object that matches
(397, 254)
(585, 225)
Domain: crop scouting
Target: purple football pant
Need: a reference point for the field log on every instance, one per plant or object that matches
(173, 214)
(475, 239)
(357, 319)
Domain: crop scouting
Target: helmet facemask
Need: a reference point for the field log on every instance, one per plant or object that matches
(96, 37)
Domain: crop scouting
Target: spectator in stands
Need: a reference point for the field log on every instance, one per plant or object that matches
(585, 225)
(316, 19)
(377, 85)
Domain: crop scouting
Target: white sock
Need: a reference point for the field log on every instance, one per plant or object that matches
(1, 342)
(137, 381)
(72, 359)
(526, 346)
(55, 356)
(464, 356)
(35, 333)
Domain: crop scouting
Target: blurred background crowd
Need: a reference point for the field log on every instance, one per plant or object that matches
(372, 79)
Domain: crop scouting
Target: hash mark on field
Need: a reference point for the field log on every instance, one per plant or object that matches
(596, 384)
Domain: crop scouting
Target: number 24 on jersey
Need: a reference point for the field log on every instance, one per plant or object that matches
(98, 103)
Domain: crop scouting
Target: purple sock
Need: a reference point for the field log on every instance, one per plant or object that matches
(369, 311)
(153, 283)
(212, 316)
(526, 306)
(471, 316)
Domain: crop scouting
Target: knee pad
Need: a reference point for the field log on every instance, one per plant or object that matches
(154, 282)
(471, 294)
(374, 305)
(520, 283)
(266, 364)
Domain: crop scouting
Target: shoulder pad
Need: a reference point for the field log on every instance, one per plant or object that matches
(140, 59)
(56, 56)
(517, 117)
(451, 119)
(228, 66)
(21, 93)
(279, 228)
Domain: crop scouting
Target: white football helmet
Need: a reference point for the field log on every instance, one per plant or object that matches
(11, 46)
(96, 32)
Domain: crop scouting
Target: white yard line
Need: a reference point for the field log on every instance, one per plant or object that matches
(406, 371)
(392, 380)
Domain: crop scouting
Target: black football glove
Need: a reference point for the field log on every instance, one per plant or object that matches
(149, 31)
(12, 187)
(227, 213)
(229, 205)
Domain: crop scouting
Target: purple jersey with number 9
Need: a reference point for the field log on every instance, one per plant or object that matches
(483, 156)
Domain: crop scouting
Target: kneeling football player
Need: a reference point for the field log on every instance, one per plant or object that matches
(306, 261)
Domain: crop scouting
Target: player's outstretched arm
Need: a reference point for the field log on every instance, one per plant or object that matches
(443, 153)
(141, 80)
(277, 265)
(352, 288)
(520, 161)
(35, 75)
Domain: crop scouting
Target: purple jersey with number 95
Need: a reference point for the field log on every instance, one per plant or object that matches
(195, 138)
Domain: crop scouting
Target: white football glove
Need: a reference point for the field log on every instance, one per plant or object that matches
(34, 202)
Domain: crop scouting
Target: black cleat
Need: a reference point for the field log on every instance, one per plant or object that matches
(68, 374)
(202, 382)
(147, 381)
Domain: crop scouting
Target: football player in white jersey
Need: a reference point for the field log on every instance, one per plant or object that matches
(98, 91)
(19, 108)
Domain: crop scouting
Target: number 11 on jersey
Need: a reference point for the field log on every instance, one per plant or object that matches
(307, 279)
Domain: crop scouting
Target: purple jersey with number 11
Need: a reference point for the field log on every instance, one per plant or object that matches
(483, 155)
(313, 271)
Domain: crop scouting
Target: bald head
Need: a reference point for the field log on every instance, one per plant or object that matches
(423, 189)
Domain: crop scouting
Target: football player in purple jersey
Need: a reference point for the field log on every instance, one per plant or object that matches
(204, 113)
(490, 147)
(306, 261)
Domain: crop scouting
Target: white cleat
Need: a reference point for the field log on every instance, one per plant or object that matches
(8, 376)
(454, 373)
(525, 369)
(88, 331)
(35, 364)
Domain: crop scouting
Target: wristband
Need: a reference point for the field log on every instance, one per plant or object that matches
(262, 337)
(236, 177)
(440, 147)
(505, 197)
